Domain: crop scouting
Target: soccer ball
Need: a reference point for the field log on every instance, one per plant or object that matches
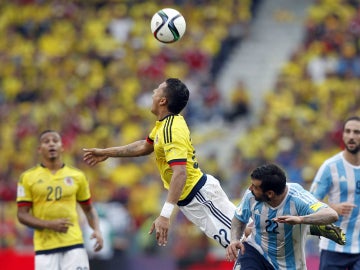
(168, 25)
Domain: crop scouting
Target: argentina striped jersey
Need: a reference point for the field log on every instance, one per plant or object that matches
(340, 181)
(281, 244)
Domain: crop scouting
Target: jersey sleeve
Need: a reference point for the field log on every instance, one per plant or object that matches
(83, 193)
(306, 203)
(151, 137)
(322, 182)
(243, 211)
(24, 195)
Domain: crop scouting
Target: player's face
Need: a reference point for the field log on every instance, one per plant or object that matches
(351, 136)
(50, 146)
(256, 190)
(158, 98)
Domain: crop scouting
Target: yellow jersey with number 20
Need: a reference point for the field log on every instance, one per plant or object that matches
(54, 196)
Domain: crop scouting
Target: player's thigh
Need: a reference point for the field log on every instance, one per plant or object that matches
(211, 211)
(76, 258)
(356, 265)
(330, 260)
(252, 260)
(48, 261)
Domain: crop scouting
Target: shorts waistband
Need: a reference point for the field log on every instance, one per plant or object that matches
(60, 249)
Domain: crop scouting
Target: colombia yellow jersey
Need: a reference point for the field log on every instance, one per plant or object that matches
(172, 146)
(54, 196)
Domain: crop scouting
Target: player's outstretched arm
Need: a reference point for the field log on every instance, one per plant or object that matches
(93, 156)
(323, 216)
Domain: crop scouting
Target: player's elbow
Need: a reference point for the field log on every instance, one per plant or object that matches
(332, 215)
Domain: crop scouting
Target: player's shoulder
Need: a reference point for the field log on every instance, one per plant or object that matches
(296, 190)
(31, 171)
(29, 174)
(294, 187)
(176, 124)
(339, 157)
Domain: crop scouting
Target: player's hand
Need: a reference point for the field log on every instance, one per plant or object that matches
(343, 209)
(93, 156)
(161, 226)
(292, 220)
(232, 250)
(99, 240)
(59, 225)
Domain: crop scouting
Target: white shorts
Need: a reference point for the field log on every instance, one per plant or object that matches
(68, 260)
(212, 211)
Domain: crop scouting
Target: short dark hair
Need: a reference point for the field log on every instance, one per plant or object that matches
(272, 177)
(351, 118)
(47, 131)
(177, 95)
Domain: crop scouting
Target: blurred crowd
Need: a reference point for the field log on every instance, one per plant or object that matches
(318, 88)
(87, 69)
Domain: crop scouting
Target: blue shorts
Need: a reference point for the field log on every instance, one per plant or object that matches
(252, 260)
(330, 260)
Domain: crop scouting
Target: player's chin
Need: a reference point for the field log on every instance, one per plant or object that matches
(53, 156)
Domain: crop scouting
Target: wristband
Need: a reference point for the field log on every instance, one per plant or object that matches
(167, 210)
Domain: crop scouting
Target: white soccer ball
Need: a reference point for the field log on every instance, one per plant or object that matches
(168, 25)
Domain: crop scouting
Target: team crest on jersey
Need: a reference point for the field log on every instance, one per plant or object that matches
(156, 139)
(69, 181)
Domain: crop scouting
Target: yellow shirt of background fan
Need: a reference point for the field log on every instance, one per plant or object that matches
(54, 196)
(172, 146)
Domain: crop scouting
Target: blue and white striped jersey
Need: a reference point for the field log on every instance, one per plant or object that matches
(340, 181)
(283, 245)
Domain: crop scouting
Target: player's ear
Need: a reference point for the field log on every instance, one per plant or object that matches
(270, 194)
(163, 101)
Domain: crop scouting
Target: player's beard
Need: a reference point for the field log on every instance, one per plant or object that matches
(353, 151)
(262, 198)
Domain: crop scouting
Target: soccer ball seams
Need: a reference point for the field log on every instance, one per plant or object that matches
(173, 28)
(165, 23)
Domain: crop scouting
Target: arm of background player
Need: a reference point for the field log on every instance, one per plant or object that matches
(93, 220)
(92, 156)
(25, 217)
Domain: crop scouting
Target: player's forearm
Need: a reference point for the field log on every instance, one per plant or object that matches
(31, 221)
(237, 229)
(92, 218)
(322, 217)
(135, 149)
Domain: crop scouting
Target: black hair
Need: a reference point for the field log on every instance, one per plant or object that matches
(351, 118)
(47, 131)
(272, 177)
(177, 95)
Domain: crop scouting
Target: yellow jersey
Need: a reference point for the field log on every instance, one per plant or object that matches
(172, 146)
(52, 196)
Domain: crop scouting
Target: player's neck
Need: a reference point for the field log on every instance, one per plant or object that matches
(353, 159)
(278, 199)
(53, 165)
(163, 115)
